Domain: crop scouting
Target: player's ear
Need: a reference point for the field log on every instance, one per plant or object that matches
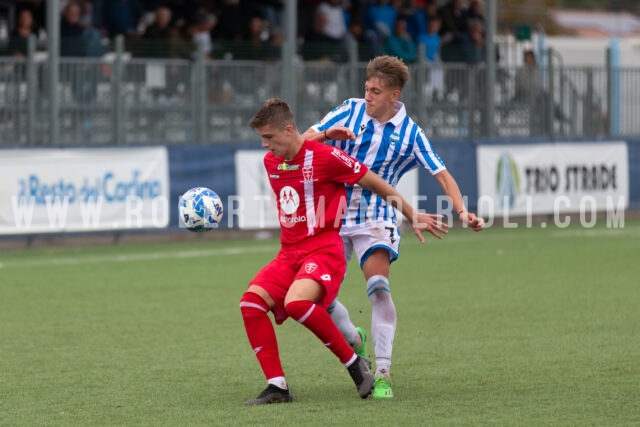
(395, 95)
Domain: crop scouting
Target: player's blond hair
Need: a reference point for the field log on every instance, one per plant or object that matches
(392, 72)
(275, 112)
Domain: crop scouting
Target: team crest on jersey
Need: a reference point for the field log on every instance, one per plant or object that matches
(394, 138)
(307, 173)
(289, 200)
(345, 103)
(310, 267)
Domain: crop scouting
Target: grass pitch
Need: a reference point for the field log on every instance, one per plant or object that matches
(505, 327)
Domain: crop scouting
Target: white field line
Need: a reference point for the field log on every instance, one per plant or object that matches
(150, 256)
(487, 235)
(609, 232)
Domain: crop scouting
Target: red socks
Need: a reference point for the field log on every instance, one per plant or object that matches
(261, 334)
(319, 322)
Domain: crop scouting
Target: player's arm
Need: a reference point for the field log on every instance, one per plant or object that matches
(419, 221)
(451, 190)
(338, 133)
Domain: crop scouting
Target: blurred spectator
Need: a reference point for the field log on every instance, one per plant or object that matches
(330, 24)
(75, 39)
(25, 27)
(400, 44)
(201, 33)
(122, 17)
(98, 9)
(38, 12)
(475, 12)
(529, 90)
(182, 11)
(431, 42)
(154, 42)
(379, 19)
(528, 79)
(272, 11)
(416, 19)
(454, 22)
(70, 22)
(367, 49)
(256, 40)
(276, 40)
(86, 14)
(327, 38)
(161, 26)
(475, 45)
(231, 21)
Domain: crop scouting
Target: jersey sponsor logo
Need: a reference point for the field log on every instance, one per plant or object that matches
(356, 167)
(362, 127)
(307, 173)
(326, 277)
(342, 156)
(292, 219)
(274, 175)
(284, 166)
(289, 200)
(310, 267)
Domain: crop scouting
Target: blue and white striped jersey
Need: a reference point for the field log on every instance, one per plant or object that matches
(389, 149)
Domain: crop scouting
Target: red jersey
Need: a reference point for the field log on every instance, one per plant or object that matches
(309, 189)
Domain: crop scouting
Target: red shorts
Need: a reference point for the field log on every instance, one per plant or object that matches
(320, 258)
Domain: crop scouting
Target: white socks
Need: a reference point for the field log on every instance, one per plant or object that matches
(278, 382)
(340, 316)
(383, 322)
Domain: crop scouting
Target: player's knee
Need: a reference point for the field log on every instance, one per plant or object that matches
(378, 289)
(252, 304)
(299, 310)
(332, 307)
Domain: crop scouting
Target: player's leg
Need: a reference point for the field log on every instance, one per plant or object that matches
(355, 336)
(376, 245)
(300, 306)
(255, 305)
(264, 294)
(383, 318)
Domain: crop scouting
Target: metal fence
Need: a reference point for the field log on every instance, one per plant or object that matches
(118, 99)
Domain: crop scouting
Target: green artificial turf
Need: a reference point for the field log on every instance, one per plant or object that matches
(504, 327)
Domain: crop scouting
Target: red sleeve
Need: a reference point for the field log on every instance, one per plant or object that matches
(344, 168)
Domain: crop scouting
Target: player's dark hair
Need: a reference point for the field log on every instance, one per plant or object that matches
(391, 71)
(275, 112)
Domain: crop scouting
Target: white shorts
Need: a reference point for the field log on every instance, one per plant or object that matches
(364, 238)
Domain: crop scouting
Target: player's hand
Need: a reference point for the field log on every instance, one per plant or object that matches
(431, 223)
(340, 133)
(471, 220)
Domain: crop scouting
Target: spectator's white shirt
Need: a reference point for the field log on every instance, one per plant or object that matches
(336, 26)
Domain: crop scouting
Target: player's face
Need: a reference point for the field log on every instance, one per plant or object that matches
(275, 140)
(379, 99)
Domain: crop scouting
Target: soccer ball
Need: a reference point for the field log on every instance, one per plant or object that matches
(200, 209)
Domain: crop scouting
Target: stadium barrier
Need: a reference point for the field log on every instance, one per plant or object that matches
(140, 187)
(122, 99)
